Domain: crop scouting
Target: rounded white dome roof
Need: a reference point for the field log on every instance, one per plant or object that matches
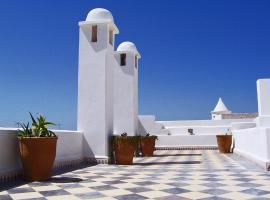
(129, 47)
(220, 107)
(99, 15)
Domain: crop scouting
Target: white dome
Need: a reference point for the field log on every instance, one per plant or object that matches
(99, 15)
(220, 107)
(128, 47)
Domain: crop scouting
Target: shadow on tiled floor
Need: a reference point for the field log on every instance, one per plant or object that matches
(5, 185)
(168, 163)
(174, 174)
(182, 154)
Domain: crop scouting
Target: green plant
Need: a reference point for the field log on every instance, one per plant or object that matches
(25, 130)
(229, 132)
(149, 136)
(39, 128)
(124, 138)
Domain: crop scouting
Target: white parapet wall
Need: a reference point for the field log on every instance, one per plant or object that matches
(69, 151)
(186, 140)
(202, 122)
(253, 140)
(243, 125)
(254, 144)
(263, 93)
(175, 133)
(147, 124)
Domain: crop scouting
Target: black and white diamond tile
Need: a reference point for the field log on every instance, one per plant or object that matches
(169, 175)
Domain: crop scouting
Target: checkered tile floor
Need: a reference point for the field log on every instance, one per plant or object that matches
(182, 175)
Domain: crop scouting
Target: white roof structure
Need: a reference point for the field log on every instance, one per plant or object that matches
(220, 107)
(128, 47)
(100, 16)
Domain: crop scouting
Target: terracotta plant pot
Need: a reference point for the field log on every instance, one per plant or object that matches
(124, 149)
(224, 143)
(37, 156)
(147, 145)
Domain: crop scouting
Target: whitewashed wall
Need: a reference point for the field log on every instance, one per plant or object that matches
(263, 93)
(186, 140)
(254, 144)
(203, 122)
(69, 149)
(175, 133)
(95, 90)
(125, 95)
(253, 140)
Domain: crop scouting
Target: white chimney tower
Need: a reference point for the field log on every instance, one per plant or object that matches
(95, 82)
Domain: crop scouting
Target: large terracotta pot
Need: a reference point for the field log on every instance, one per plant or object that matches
(37, 156)
(124, 152)
(224, 143)
(147, 145)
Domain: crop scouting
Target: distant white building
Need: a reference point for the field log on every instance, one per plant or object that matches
(222, 112)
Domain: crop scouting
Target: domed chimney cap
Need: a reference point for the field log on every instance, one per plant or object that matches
(100, 16)
(128, 47)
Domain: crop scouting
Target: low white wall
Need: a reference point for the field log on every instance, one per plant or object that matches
(147, 124)
(202, 122)
(9, 151)
(69, 148)
(186, 140)
(243, 125)
(199, 130)
(253, 143)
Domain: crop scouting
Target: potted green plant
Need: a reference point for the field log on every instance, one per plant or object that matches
(124, 147)
(224, 142)
(37, 145)
(147, 144)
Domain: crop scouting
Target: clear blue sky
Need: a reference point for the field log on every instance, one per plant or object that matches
(192, 53)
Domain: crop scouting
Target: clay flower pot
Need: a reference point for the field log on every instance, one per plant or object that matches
(147, 144)
(37, 156)
(224, 143)
(124, 149)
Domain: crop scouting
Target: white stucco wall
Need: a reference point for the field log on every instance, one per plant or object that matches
(125, 95)
(263, 93)
(199, 130)
(243, 125)
(95, 89)
(253, 143)
(253, 140)
(175, 133)
(147, 124)
(201, 127)
(69, 148)
(202, 122)
(109, 97)
(186, 140)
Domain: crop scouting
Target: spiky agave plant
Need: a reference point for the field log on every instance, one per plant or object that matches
(40, 127)
(25, 130)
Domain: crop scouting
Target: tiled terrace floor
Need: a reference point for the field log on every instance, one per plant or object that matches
(169, 175)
